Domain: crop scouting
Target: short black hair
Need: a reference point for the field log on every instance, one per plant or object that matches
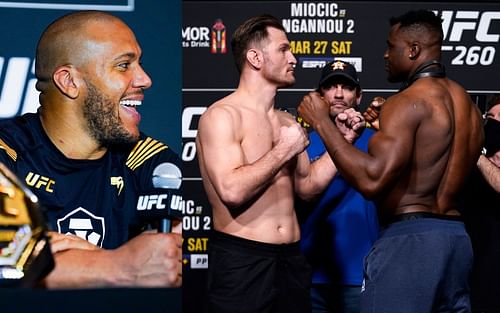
(418, 20)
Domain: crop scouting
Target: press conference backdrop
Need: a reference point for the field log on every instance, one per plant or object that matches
(354, 31)
(157, 25)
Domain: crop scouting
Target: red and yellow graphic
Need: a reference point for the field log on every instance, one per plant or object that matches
(218, 37)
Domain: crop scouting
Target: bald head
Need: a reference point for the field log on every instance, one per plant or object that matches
(65, 42)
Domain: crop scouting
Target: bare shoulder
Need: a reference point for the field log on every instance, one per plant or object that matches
(423, 96)
(405, 110)
(408, 99)
(458, 91)
(465, 108)
(451, 94)
(223, 110)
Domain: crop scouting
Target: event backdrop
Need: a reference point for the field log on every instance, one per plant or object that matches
(157, 25)
(354, 31)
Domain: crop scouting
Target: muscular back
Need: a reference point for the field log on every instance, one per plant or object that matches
(437, 134)
(464, 150)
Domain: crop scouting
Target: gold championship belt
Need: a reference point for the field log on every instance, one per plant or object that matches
(25, 256)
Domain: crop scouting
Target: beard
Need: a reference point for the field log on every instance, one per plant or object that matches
(279, 81)
(391, 78)
(103, 123)
(273, 74)
(395, 76)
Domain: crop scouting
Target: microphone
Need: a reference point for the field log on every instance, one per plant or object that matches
(168, 176)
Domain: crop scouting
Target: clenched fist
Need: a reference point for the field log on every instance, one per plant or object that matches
(350, 123)
(293, 138)
(373, 111)
(313, 108)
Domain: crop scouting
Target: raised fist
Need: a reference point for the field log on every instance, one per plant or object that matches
(373, 111)
(294, 138)
(350, 123)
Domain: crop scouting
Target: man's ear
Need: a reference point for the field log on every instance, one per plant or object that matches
(66, 78)
(359, 96)
(254, 57)
(414, 50)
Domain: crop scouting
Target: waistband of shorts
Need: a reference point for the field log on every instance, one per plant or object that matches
(419, 215)
(230, 241)
(423, 223)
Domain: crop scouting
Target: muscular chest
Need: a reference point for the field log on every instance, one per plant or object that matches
(259, 138)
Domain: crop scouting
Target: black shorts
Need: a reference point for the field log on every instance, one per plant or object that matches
(254, 277)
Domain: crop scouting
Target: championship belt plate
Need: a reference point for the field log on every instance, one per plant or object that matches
(25, 256)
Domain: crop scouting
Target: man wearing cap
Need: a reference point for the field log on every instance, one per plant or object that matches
(342, 227)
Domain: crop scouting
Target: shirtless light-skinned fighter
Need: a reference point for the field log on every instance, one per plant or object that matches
(252, 161)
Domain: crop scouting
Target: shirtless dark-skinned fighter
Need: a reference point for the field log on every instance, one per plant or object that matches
(430, 138)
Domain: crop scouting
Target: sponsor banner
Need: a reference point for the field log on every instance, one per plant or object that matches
(199, 261)
(323, 31)
(196, 211)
